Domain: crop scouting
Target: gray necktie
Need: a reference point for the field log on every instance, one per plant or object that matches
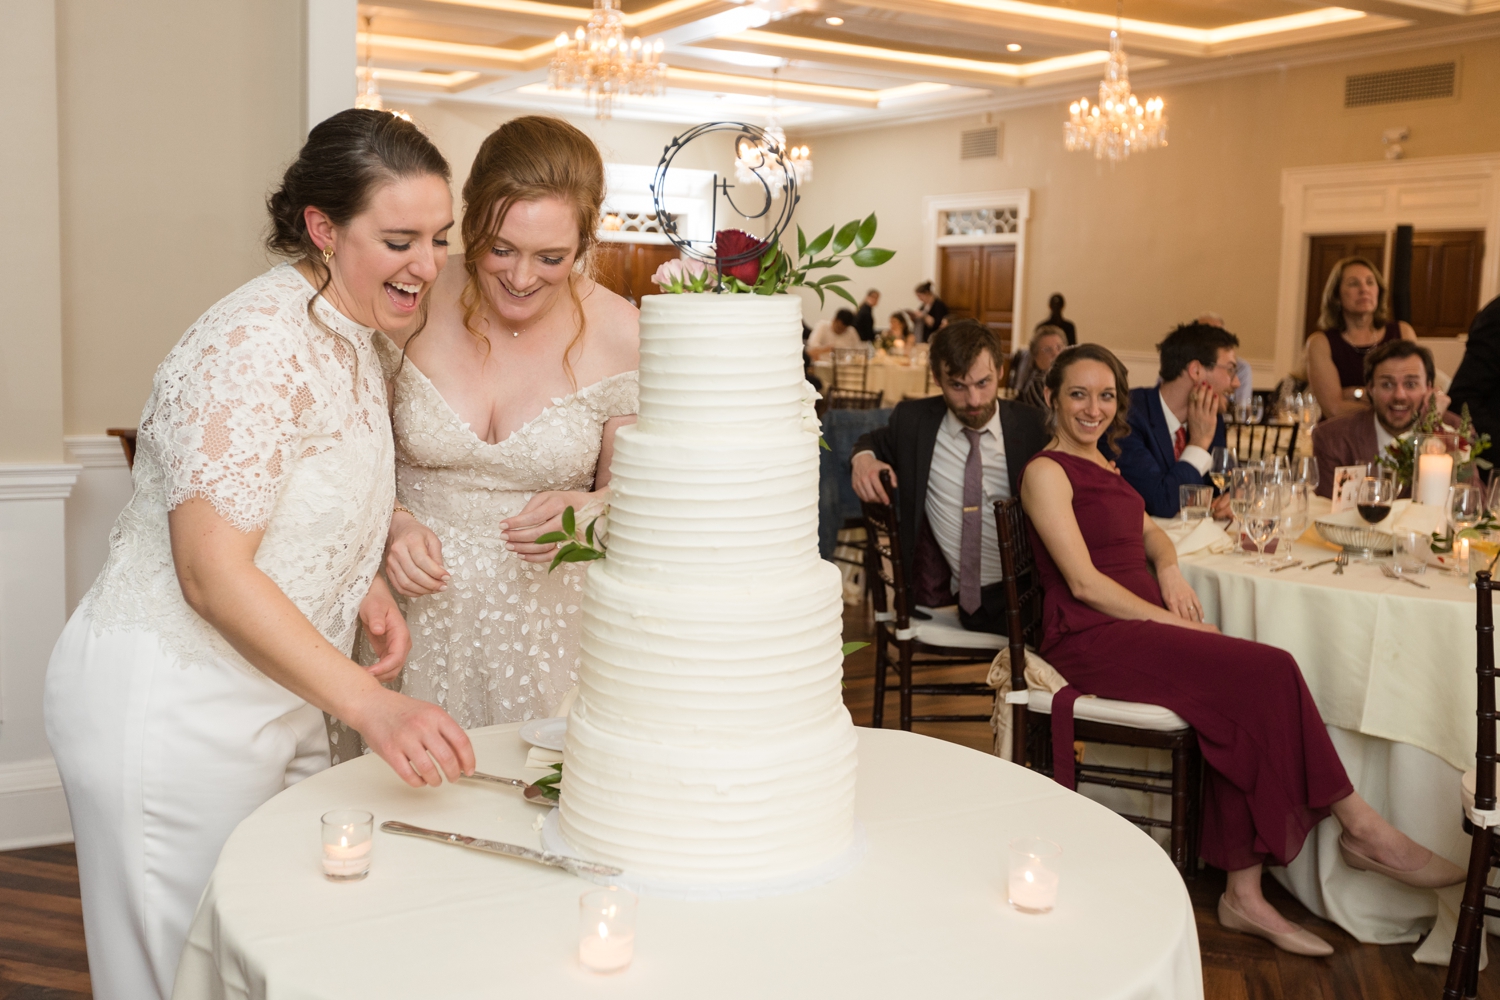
(971, 536)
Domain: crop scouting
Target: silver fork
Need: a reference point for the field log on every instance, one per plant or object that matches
(1339, 562)
(1388, 571)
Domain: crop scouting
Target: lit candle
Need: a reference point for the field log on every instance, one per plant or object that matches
(347, 841)
(1033, 874)
(1461, 556)
(1434, 473)
(606, 929)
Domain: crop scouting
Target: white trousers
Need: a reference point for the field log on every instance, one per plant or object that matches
(160, 760)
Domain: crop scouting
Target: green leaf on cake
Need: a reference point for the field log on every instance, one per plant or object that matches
(871, 256)
(866, 232)
(552, 536)
(841, 291)
(823, 443)
(801, 243)
(854, 647)
(818, 243)
(846, 236)
(569, 526)
(588, 536)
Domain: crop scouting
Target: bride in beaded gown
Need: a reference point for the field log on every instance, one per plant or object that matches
(504, 410)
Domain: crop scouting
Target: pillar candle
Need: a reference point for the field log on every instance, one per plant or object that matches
(1434, 472)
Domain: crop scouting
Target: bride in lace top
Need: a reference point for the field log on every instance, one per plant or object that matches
(506, 407)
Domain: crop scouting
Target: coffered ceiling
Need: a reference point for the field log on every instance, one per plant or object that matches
(850, 63)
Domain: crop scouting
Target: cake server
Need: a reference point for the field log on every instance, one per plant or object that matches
(532, 792)
(571, 865)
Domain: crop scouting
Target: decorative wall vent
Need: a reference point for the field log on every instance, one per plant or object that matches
(980, 221)
(1393, 86)
(979, 143)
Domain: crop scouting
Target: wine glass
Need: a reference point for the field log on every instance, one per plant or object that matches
(1262, 516)
(1222, 461)
(1279, 470)
(1257, 409)
(1242, 483)
(1296, 515)
(1493, 504)
(1373, 501)
(1465, 509)
(1241, 413)
(1307, 472)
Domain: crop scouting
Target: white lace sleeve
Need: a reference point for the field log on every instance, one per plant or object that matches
(228, 420)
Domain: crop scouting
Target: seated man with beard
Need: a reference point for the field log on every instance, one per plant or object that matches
(1398, 379)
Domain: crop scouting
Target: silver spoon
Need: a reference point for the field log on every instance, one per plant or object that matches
(1339, 562)
(533, 793)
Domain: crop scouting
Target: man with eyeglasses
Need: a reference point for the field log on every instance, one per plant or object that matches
(1175, 425)
(1399, 381)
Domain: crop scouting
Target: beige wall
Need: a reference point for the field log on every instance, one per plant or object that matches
(176, 117)
(31, 408)
(1143, 245)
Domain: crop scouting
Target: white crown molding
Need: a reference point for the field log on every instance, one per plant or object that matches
(29, 776)
(1198, 72)
(95, 451)
(37, 482)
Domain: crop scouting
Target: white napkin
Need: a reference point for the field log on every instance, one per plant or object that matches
(1350, 518)
(1419, 517)
(1196, 536)
(540, 757)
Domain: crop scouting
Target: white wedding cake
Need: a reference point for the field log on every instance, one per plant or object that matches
(709, 751)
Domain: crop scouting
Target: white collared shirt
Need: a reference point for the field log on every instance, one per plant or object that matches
(824, 337)
(945, 493)
(1192, 454)
(1383, 437)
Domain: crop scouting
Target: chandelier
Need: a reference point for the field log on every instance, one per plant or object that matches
(1119, 124)
(598, 59)
(768, 160)
(368, 95)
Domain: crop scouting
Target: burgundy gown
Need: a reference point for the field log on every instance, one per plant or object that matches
(1272, 771)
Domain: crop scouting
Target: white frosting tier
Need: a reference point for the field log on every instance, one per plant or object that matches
(709, 744)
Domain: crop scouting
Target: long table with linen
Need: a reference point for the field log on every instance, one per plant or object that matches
(1391, 667)
(924, 913)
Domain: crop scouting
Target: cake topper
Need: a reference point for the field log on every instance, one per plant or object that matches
(736, 261)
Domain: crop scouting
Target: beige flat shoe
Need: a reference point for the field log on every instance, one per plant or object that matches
(1435, 874)
(1300, 942)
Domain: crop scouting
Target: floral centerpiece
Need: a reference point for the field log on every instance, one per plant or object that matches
(764, 267)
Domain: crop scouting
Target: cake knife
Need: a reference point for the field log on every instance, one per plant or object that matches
(572, 865)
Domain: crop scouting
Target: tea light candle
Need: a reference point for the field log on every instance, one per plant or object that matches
(606, 929)
(1033, 874)
(1434, 473)
(348, 838)
(1461, 556)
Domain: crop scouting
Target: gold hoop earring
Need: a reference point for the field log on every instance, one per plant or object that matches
(327, 254)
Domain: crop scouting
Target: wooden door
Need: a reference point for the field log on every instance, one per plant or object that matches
(1326, 251)
(626, 268)
(958, 281)
(1445, 281)
(997, 286)
(610, 266)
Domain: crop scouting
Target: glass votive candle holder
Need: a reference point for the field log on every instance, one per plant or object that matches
(1194, 501)
(1410, 551)
(1033, 874)
(606, 929)
(348, 838)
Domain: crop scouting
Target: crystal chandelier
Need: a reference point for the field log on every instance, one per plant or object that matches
(598, 59)
(1119, 124)
(762, 161)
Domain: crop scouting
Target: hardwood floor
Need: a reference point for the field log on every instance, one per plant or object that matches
(41, 923)
(1235, 966)
(41, 926)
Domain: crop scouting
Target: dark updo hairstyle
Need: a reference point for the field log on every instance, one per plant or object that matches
(1118, 427)
(345, 160)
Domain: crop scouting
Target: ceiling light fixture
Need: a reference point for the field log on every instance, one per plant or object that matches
(1119, 124)
(835, 21)
(767, 162)
(597, 59)
(1013, 47)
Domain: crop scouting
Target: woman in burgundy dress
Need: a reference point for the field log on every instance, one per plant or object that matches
(1354, 319)
(1116, 631)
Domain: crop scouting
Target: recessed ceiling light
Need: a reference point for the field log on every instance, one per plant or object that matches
(1013, 47)
(835, 21)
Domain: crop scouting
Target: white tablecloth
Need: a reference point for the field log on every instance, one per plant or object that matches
(896, 381)
(924, 913)
(1392, 670)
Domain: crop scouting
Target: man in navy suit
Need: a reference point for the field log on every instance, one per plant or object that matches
(1175, 424)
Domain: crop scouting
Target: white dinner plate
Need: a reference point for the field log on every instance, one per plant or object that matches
(545, 733)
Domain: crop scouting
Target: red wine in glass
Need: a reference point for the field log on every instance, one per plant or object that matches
(1373, 513)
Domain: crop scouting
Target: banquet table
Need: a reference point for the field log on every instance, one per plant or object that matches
(1391, 668)
(924, 912)
(892, 376)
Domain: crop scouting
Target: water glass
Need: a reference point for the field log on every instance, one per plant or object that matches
(1262, 515)
(1194, 501)
(1242, 484)
(1307, 472)
(1409, 552)
(606, 929)
(1296, 515)
(1493, 503)
(1033, 874)
(1465, 509)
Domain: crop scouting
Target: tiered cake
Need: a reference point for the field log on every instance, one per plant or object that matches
(709, 750)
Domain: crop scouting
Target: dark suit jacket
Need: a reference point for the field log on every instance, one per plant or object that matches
(1348, 440)
(864, 323)
(1145, 458)
(906, 444)
(1477, 381)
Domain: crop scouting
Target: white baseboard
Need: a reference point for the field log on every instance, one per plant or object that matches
(33, 812)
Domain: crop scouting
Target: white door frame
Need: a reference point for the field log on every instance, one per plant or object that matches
(1440, 192)
(933, 207)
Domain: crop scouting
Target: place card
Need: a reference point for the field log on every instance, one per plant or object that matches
(1346, 480)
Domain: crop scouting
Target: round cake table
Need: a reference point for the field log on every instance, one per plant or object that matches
(923, 914)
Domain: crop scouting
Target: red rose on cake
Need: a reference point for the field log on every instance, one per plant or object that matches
(741, 248)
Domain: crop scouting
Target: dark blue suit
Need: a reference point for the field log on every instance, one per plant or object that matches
(1146, 460)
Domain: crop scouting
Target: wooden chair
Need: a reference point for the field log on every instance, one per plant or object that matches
(849, 367)
(1480, 814)
(908, 637)
(854, 399)
(1261, 441)
(1096, 720)
(127, 441)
